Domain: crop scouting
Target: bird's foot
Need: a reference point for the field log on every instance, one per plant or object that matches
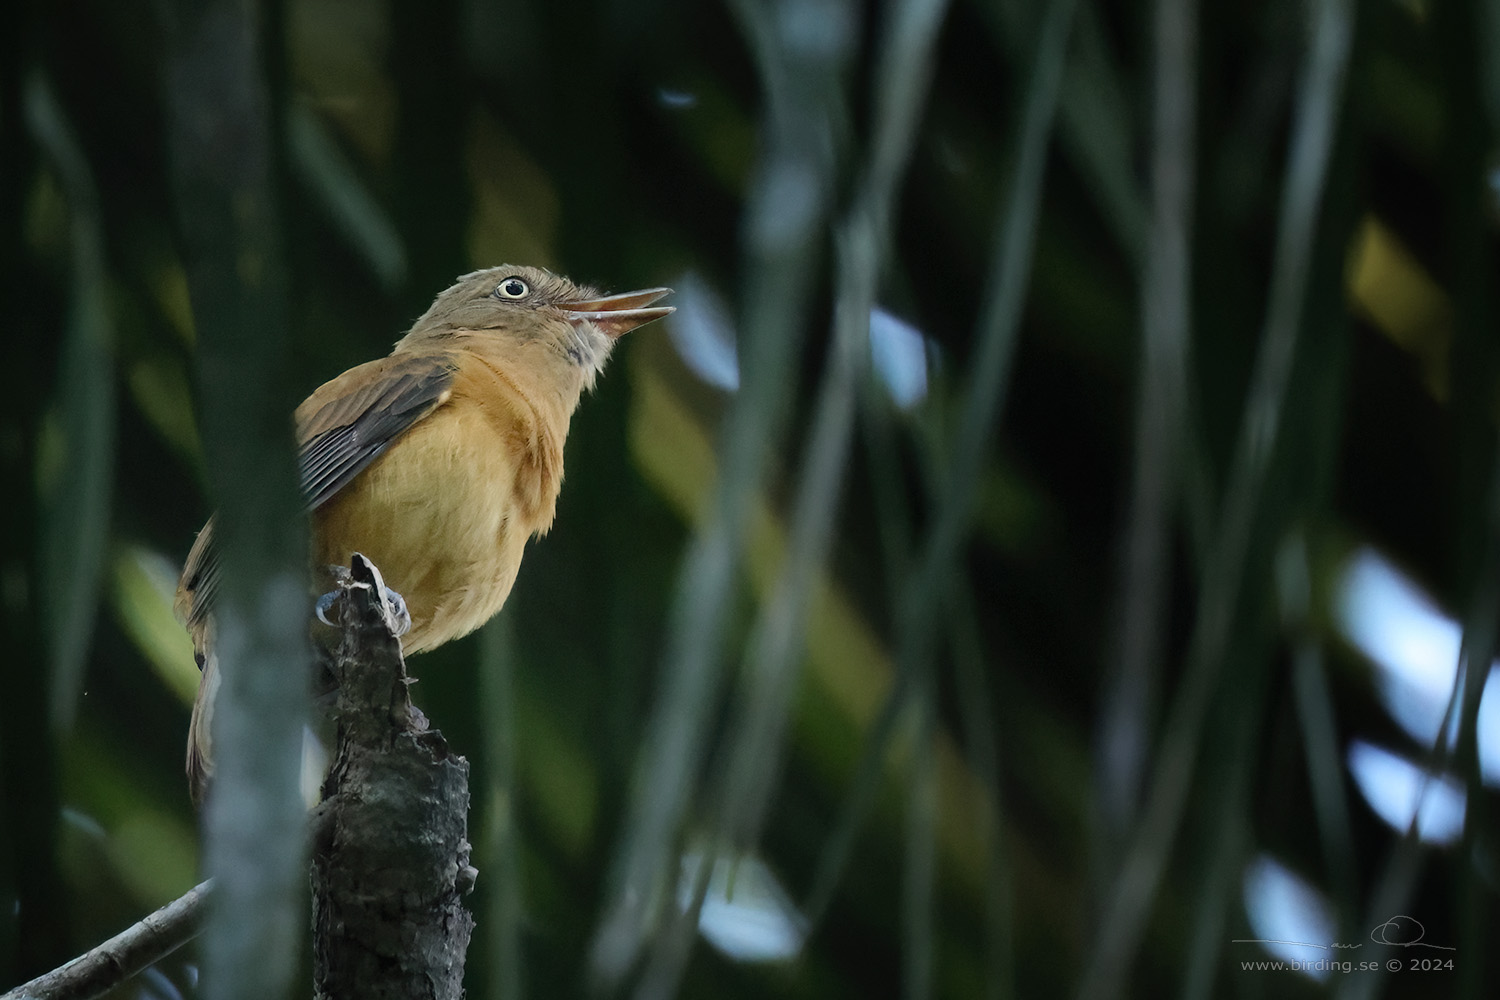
(324, 605)
(400, 616)
(341, 577)
(397, 617)
(364, 573)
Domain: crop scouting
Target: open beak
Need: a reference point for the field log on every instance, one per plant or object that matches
(617, 315)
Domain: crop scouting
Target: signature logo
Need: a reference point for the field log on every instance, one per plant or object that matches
(1400, 931)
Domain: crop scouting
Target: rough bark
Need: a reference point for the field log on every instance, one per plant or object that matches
(391, 863)
(96, 972)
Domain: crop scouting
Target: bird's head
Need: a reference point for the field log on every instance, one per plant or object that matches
(526, 311)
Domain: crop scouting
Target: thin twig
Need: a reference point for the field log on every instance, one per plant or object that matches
(100, 970)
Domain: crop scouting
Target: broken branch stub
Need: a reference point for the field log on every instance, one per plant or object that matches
(391, 865)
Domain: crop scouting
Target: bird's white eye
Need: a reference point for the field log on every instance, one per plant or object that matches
(512, 288)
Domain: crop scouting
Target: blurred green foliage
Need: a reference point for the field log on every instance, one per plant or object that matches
(940, 797)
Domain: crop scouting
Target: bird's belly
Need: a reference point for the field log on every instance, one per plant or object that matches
(436, 515)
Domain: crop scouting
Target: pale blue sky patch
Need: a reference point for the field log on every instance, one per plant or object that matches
(703, 332)
(1289, 917)
(1396, 788)
(899, 353)
(676, 100)
(747, 916)
(1414, 646)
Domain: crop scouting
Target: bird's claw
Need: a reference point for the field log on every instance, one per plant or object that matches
(364, 574)
(324, 605)
(400, 617)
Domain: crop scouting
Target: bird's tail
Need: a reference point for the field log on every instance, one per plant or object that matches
(200, 759)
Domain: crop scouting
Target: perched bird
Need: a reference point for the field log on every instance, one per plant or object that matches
(441, 460)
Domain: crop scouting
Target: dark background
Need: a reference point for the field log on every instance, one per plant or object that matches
(617, 142)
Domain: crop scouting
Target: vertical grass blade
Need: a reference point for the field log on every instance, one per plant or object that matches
(1226, 847)
(923, 592)
(77, 479)
(501, 849)
(1161, 420)
(1000, 315)
(777, 636)
(1094, 126)
(929, 587)
(333, 182)
(982, 741)
(919, 874)
(1128, 901)
(218, 126)
(801, 60)
(1315, 718)
(1473, 123)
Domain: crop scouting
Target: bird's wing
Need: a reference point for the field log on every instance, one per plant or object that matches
(341, 428)
(350, 422)
(196, 587)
